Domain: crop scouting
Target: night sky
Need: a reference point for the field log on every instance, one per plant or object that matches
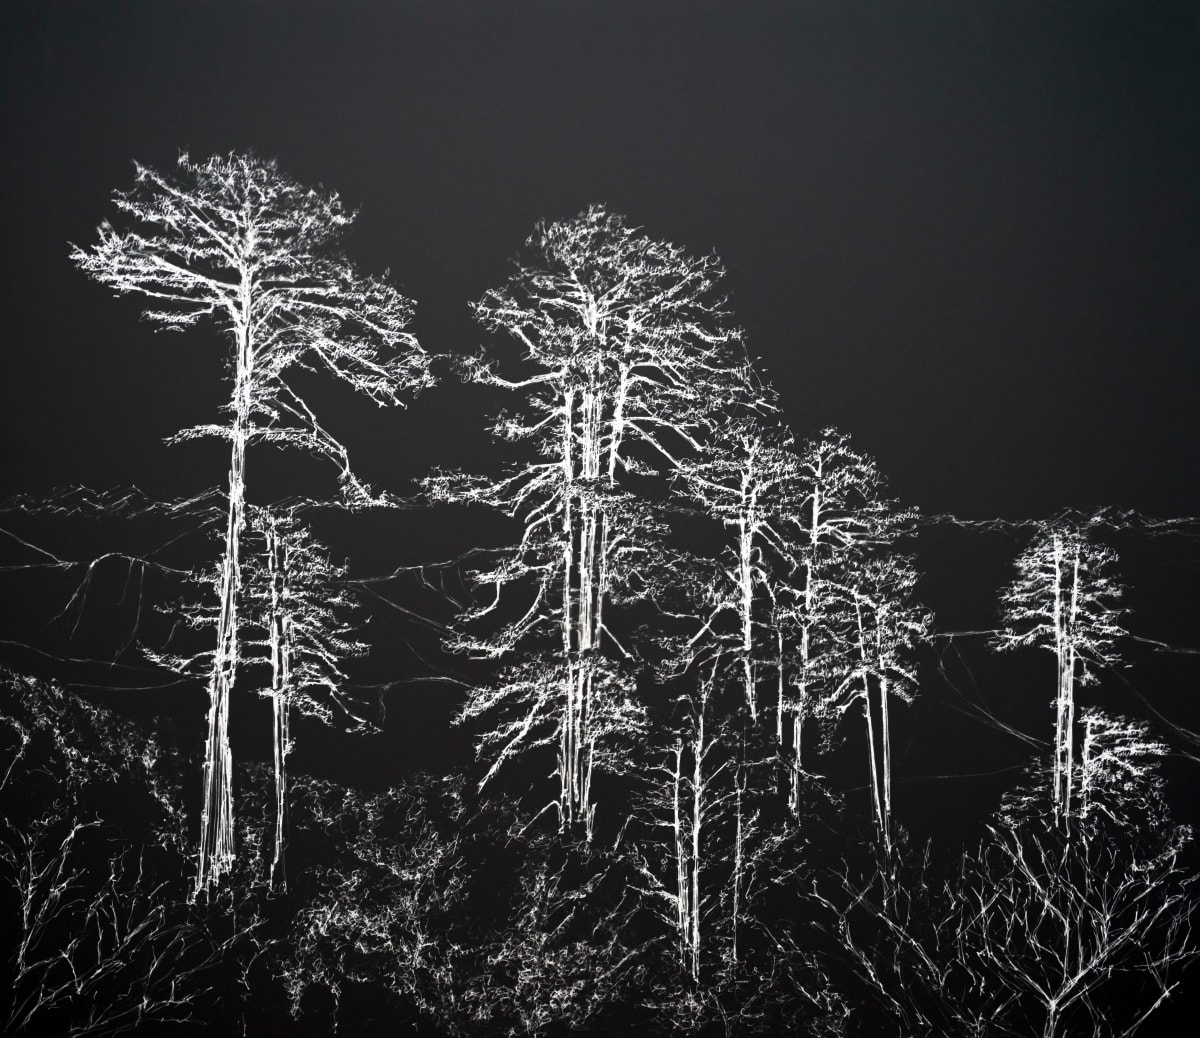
(966, 233)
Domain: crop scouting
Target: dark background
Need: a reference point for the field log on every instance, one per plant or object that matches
(966, 233)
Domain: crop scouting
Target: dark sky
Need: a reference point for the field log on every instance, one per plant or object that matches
(967, 233)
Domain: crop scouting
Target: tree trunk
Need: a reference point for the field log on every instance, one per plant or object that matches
(697, 817)
(737, 872)
(797, 742)
(1060, 652)
(805, 648)
(872, 760)
(281, 681)
(779, 701)
(568, 723)
(1053, 1014)
(1085, 778)
(886, 737)
(216, 819)
(746, 581)
(584, 572)
(1069, 705)
(682, 909)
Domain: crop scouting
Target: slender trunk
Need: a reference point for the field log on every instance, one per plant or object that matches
(1085, 765)
(617, 426)
(586, 807)
(1069, 705)
(805, 645)
(697, 817)
(683, 911)
(567, 722)
(216, 852)
(1068, 736)
(1060, 702)
(876, 801)
(587, 597)
(872, 760)
(746, 582)
(801, 695)
(564, 754)
(887, 764)
(779, 706)
(595, 566)
(801, 703)
(278, 873)
(281, 680)
(797, 741)
(737, 870)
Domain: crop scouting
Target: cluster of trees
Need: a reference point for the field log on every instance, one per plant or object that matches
(695, 612)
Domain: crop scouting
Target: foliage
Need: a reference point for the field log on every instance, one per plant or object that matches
(103, 939)
(1038, 929)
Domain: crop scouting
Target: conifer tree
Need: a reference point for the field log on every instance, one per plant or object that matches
(630, 364)
(1064, 600)
(840, 516)
(307, 621)
(234, 240)
(744, 480)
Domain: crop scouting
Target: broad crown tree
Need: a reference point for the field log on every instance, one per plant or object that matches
(235, 241)
(630, 365)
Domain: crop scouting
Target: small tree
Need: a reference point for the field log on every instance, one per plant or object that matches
(1117, 763)
(839, 513)
(300, 625)
(1051, 920)
(236, 241)
(683, 796)
(1064, 600)
(882, 627)
(743, 480)
(298, 599)
(1037, 930)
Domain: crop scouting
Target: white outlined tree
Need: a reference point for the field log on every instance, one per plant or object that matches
(839, 515)
(683, 797)
(1038, 930)
(100, 938)
(300, 626)
(1053, 914)
(1117, 762)
(296, 596)
(883, 627)
(744, 480)
(1064, 600)
(236, 241)
(630, 364)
